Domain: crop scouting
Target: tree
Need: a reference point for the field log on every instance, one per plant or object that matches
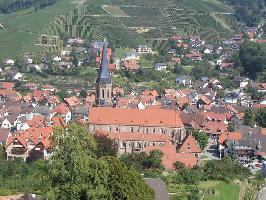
(248, 118)
(253, 58)
(74, 171)
(261, 117)
(231, 127)
(125, 183)
(201, 138)
(154, 161)
(83, 93)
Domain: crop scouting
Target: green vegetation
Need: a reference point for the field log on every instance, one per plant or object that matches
(201, 138)
(220, 190)
(22, 28)
(90, 21)
(261, 117)
(74, 171)
(253, 59)
(248, 11)
(248, 118)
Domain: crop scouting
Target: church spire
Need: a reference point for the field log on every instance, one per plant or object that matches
(104, 75)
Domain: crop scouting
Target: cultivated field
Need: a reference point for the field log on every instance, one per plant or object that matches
(127, 23)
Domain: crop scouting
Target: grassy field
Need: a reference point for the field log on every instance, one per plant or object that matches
(221, 190)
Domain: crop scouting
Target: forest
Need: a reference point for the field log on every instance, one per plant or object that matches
(248, 11)
(8, 6)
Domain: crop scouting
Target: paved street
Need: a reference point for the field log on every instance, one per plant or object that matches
(211, 152)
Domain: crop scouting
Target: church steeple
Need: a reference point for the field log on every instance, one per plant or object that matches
(104, 75)
(104, 82)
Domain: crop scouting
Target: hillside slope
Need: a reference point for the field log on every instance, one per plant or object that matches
(125, 22)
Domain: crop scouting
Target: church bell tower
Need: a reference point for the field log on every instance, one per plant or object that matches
(104, 81)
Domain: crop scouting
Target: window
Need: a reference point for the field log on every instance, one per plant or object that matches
(132, 129)
(102, 93)
(108, 96)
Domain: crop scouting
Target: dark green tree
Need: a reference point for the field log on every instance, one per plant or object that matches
(253, 58)
(201, 138)
(248, 118)
(231, 127)
(261, 117)
(83, 93)
(74, 170)
(125, 183)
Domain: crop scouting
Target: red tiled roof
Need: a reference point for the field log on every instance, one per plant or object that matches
(205, 99)
(131, 64)
(58, 122)
(155, 137)
(36, 121)
(229, 136)
(61, 109)
(214, 116)
(190, 145)
(214, 127)
(72, 101)
(149, 117)
(170, 156)
(7, 85)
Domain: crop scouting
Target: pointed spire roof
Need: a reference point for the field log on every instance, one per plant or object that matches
(104, 75)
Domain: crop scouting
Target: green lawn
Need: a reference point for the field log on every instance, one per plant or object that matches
(120, 52)
(223, 190)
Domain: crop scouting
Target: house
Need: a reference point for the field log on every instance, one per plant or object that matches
(194, 56)
(131, 55)
(8, 61)
(226, 137)
(4, 134)
(202, 101)
(30, 67)
(130, 64)
(208, 49)
(143, 49)
(176, 60)
(226, 65)
(190, 145)
(64, 112)
(160, 66)
(231, 97)
(7, 85)
(184, 80)
(241, 82)
(261, 87)
(33, 142)
(31, 86)
(15, 76)
(170, 156)
(48, 87)
(72, 101)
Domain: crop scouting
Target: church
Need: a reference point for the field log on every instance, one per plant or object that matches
(104, 81)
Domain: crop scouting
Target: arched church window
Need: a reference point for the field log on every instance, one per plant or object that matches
(102, 93)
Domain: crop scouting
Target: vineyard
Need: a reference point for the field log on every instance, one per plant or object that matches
(127, 23)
